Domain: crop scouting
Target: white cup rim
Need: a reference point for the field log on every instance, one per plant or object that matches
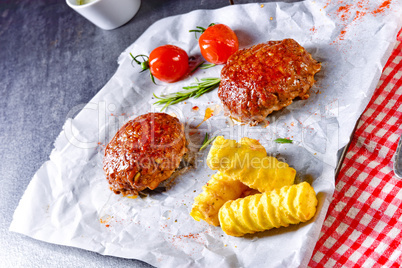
(76, 6)
(105, 13)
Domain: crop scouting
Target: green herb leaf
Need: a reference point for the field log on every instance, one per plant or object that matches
(281, 140)
(205, 139)
(144, 63)
(199, 65)
(206, 142)
(194, 90)
(200, 30)
(152, 78)
(206, 66)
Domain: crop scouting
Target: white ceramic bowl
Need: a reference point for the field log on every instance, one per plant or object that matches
(107, 14)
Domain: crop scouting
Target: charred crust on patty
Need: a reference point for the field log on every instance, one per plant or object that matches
(264, 78)
(144, 152)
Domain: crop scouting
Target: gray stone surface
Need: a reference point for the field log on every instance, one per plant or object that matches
(51, 60)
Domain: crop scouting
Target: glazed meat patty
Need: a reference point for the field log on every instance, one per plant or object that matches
(144, 152)
(264, 78)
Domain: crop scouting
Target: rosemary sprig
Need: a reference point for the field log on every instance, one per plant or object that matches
(281, 140)
(202, 65)
(200, 30)
(144, 64)
(206, 142)
(194, 90)
(206, 66)
(199, 65)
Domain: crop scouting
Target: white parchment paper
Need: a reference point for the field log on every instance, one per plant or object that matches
(68, 201)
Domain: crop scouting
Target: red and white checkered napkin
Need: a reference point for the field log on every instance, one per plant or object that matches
(364, 221)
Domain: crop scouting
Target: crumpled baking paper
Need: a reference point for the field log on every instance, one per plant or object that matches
(68, 201)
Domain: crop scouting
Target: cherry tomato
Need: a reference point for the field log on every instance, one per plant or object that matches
(218, 43)
(168, 63)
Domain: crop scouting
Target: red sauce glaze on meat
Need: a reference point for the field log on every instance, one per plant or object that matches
(144, 152)
(266, 78)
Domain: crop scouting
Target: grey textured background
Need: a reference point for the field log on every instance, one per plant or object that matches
(52, 59)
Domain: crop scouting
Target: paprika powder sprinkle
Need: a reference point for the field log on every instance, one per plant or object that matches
(349, 13)
(382, 7)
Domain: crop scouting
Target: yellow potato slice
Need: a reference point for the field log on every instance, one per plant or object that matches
(219, 189)
(247, 161)
(280, 207)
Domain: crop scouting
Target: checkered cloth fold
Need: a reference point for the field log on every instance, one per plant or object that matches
(364, 221)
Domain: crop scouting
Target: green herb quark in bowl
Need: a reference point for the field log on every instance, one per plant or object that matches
(83, 2)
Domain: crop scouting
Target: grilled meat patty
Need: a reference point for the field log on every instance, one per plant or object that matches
(144, 152)
(264, 78)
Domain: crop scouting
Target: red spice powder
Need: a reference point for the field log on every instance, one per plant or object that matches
(361, 5)
(382, 7)
(313, 30)
(342, 34)
(360, 14)
(360, 9)
(343, 12)
(194, 236)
